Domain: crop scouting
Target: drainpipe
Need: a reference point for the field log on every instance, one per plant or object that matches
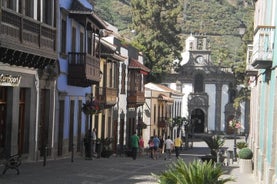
(37, 114)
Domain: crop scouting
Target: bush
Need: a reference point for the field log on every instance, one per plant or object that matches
(245, 153)
(241, 145)
(196, 172)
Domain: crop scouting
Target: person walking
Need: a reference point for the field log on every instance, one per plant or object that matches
(177, 144)
(168, 148)
(87, 144)
(134, 145)
(151, 147)
(156, 142)
(141, 146)
(161, 147)
(94, 137)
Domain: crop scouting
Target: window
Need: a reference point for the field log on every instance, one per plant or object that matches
(48, 12)
(29, 8)
(73, 39)
(63, 36)
(81, 42)
(89, 35)
(123, 75)
(11, 4)
(198, 83)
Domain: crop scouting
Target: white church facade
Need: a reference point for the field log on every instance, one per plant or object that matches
(209, 90)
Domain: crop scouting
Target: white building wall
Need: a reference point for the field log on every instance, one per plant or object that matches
(172, 86)
(122, 98)
(147, 116)
(186, 90)
(210, 90)
(224, 102)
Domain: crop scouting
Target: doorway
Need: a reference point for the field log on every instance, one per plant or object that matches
(198, 121)
(3, 112)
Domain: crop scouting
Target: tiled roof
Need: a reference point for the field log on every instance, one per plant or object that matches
(134, 64)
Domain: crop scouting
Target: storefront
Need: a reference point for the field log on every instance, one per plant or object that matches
(26, 111)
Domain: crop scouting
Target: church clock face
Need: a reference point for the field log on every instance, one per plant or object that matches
(200, 59)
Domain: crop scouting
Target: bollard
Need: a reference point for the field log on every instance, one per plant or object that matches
(45, 156)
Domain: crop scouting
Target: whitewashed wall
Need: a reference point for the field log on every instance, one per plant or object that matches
(224, 101)
(210, 90)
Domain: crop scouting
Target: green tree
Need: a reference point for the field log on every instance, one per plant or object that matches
(157, 27)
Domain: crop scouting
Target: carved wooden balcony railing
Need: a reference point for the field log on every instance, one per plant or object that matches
(83, 69)
(106, 96)
(135, 98)
(263, 47)
(26, 38)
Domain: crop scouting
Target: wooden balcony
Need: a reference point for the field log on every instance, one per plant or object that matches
(107, 96)
(263, 47)
(135, 98)
(162, 122)
(25, 41)
(83, 69)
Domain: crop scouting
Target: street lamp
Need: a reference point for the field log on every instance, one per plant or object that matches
(241, 29)
(89, 108)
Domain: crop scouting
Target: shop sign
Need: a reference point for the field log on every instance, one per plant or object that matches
(9, 80)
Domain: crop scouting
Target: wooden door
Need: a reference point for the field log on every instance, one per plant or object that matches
(3, 112)
(21, 125)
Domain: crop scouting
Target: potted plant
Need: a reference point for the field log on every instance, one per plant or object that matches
(106, 144)
(215, 143)
(245, 162)
(241, 144)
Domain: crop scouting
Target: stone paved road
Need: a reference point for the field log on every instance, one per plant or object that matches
(114, 170)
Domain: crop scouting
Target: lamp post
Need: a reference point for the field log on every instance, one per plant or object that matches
(89, 137)
(89, 108)
(186, 123)
(241, 30)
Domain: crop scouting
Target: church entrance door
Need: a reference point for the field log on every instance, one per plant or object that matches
(198, 119)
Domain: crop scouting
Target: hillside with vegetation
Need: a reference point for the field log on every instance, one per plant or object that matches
(218, 19)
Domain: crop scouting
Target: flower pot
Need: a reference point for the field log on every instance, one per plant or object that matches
(245, 166)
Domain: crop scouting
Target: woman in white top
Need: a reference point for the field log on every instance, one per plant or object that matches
(168, 147)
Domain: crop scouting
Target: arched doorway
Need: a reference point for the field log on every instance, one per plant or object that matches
(198, 121)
